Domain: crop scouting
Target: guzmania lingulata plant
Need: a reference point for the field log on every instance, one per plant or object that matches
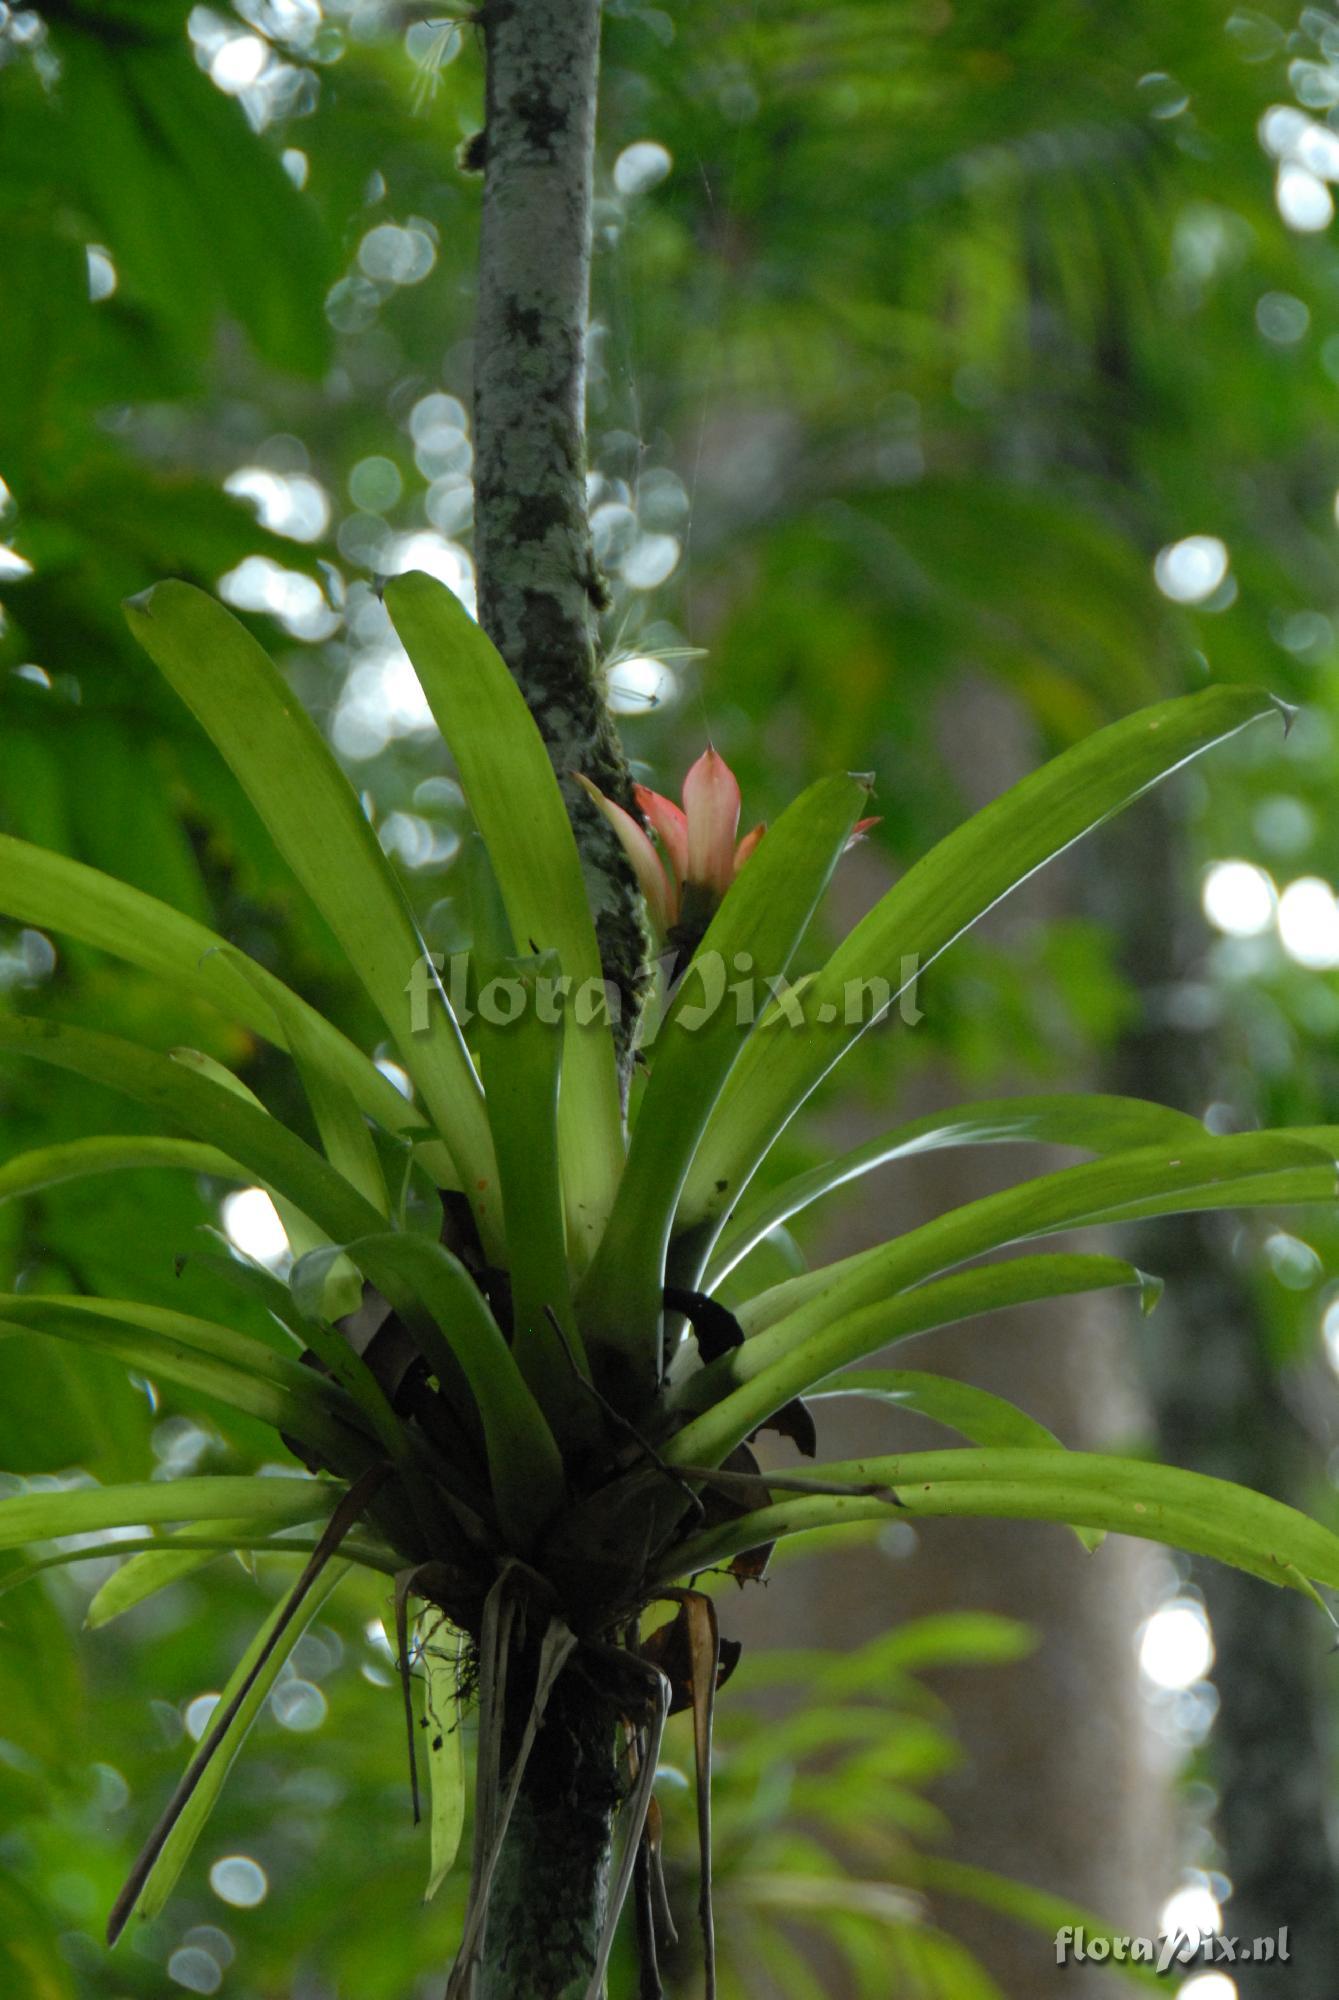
(501, 1355)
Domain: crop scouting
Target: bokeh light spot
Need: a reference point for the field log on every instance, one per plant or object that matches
(1238, 898)
(638, 684)
(1282, 318)
(237, 1879)
(1294, 1263)
(287, 503)
(651, 561)
(1176, 1645)
(642, 165)
(297, 601)
(197, 1970)
(391, 255)
(196, 1714)
(1161, 95)
(1304, 201)
(1192, 1913)
(101, 273)
(1309, 923)
(238, 63)
(298, 1705)
(13, 565)
(1208, 1986)
(251, 1224)
(1192, 569)
(375, 484)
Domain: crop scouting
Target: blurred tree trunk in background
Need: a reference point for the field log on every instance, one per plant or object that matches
(1063, 1785)
(1225, 1405)
(1220, 1398)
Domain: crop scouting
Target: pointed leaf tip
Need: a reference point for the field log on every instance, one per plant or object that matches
(1288, 711)
(1151, 1289)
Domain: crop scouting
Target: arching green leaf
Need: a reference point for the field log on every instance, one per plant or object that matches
(50, 1166)
(1097, 1124)
(514, 796)
(211, 1762)
(757, 929)
(520, 1061)
(230, 1368)
(83, 1510)
(57, 894)
(213, 1112)
(259, 727)
(938, 898)
(344, 1133)
(768, 1375)
(1241, 1170)
(1185, 1510)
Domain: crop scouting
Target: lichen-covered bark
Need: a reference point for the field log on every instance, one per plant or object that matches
(540, 592)
(539, 585)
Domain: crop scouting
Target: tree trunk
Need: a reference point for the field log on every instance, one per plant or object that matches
(1223, 1407)
(540, 588)
(540, 592)
(549, 1894)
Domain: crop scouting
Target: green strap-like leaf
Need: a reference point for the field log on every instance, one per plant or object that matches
(1159, 1503)
(160, 1859)
(189, 1370)
(260, 728)
(183, 1093)
(170, 1345)
(439, 1650)
(344, 1134)
(766, 1375)
(49, 1166)
(57, 894)
(302, 1233)
(945, 892)
(188, 1551)
(519, 809)
(1241, 1170)
(225, 1344)
(520, 1064)
(211, 1762)
(756, 930)
(144, 1574)
(84, 1510)
(1098, 1124)
(974, 1413)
